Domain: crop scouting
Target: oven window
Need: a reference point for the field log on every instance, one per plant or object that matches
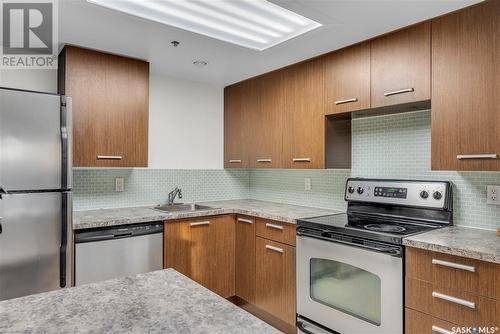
(346, 288)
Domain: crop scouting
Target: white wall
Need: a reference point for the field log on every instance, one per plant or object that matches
(37, 80)
(186, 127)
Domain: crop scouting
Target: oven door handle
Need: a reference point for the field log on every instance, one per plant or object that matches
(392, 251)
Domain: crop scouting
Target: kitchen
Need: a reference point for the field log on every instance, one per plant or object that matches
(256, 166)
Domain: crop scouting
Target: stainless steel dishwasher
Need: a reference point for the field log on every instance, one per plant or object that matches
(110, 252)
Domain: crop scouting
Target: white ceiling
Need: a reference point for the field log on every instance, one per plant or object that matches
(344, 22)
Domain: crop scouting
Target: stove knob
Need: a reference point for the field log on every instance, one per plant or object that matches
(350, 190)
(424, 194)
(437, 195)
(360, 190)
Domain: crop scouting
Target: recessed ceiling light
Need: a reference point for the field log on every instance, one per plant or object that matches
(255, 24)
(200, 63)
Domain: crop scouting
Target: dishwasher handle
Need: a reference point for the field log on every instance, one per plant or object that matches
(117, 232)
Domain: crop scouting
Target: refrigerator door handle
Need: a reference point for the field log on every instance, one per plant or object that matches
(67, 140)
(66, 221)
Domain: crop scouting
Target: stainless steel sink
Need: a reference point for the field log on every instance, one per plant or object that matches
(183, 207)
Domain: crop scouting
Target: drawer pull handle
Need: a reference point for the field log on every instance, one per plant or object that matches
(346, 101)
(401, 91)
(199, 224)
(276, 227)
(476, 156)
(453, 265)
(441, 330)
(109, 157)
(454, 300)
(301, 159)
(274, 249)
(235, 161)
(243, 220)
(264, 160)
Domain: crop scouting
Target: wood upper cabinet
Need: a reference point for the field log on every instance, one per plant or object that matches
(466, 89)
(304, 124)
(235, 126)
(203, 249)
(347, 79)
(245, 258)
(265, 121)
(110, 97)
(400, 66)
(275, 279)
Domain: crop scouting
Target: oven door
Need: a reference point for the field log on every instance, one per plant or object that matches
(349, 288)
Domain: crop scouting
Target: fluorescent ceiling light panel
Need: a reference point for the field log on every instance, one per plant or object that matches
(255, 24)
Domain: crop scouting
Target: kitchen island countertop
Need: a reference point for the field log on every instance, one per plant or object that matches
(163, 301)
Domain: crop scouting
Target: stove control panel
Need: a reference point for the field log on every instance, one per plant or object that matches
(430, 194)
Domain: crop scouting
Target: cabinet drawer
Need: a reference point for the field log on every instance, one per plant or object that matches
(455, 306)
(277, 231)
(420, 323)
(455, 272)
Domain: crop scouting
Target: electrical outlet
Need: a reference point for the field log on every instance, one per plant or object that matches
(307, 184)
(119, 184)
(493, 195)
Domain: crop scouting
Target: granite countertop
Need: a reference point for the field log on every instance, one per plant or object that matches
(263, 209)
(163, 301)
(461, 241)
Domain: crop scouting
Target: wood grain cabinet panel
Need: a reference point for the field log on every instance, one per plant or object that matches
(304, 126)
(421, 323)
(235, 125)
(347, 79)
(466, 88)
(400, 66)
(276, 231)
(275, 279)
(110, 107)
(245, 258)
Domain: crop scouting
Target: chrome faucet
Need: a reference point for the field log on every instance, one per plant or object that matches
(174, 193)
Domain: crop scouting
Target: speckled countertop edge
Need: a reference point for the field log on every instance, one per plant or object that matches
(123, 216)
(462, 241)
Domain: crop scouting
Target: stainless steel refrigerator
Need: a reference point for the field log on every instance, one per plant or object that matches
(35, 192)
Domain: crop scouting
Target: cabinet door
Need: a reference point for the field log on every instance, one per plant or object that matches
(466, 88)
(400, 66)
(223, 244)
(265, 120)
(110, 107)
(235, 128)
(275, 279)
(177, 247)
(304, 125)
(245, 258)
(347, 81)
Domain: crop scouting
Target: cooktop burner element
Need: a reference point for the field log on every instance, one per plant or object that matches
(385, 228)
(388, 210)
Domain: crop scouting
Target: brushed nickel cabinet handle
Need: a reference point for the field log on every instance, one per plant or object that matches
(274, 249)
(199, 224)
(441, 330)
(276, 227)
(109, 157)
(235, 161)
(453, 265)
(301, 159)
(476, 156)
(401, 91)
(454, 300)
(243, 220)
(346, 101)
(264, 160)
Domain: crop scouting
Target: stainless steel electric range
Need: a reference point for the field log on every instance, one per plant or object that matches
(350, 265)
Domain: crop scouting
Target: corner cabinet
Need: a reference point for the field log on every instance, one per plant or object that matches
(110, 107)
(466, 89)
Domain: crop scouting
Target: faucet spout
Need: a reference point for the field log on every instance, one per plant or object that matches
(173, 194)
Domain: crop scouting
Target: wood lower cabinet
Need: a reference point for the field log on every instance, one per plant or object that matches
(421, 323)
(466, 89)
(110, 96)
(401, 66)
(204, 250)
(347, 79)
(245, 258)
(275, 279)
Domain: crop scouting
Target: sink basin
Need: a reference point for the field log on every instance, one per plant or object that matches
(183, 207)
